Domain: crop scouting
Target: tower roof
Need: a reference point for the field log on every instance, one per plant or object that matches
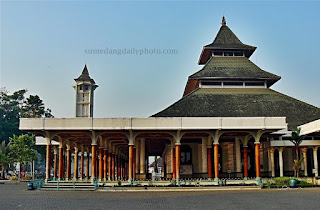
(233, 68)
(84, 75)
(225, 40)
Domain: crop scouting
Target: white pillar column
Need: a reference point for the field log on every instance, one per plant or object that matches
(142, 156)
(137, 157)
(238, 155)
(304, 153)
(273, 174)
(315, 160)
(204, 155)
(281, 161)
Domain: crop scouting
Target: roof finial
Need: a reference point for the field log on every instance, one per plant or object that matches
(224, 22)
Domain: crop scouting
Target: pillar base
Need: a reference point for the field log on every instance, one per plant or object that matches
(216, 179)
(210, 179)
(259, 181)
(141, 176)
(245, 178)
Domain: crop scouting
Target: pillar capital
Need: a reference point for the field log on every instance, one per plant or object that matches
(304, 150)
(55, 150)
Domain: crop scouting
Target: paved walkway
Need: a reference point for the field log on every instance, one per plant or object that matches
(15, 196)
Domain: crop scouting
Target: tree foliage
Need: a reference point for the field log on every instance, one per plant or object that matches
(16, 105)
(5, 158)
(22, 148)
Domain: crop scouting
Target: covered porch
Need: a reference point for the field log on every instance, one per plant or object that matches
(113, 149)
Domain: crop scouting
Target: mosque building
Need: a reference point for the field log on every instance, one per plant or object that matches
(229, 123)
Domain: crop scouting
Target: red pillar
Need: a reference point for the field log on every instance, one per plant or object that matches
(245, 161)
(93, 161)
(134, 164)
(130, 162)
(55, 165)
(119, 167)
(177, 161)
(110, 165)
(174, 163)
(105, 161)
(216, 161)
(101, 163)
(113, 167)
(75, 170)
(87, 171)
(209, 161)
(68, 164)
(63, 163)
(257, 155)
(48, 162)
(81, 166)
(60, 163)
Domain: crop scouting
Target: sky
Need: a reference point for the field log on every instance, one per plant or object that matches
(45, 45)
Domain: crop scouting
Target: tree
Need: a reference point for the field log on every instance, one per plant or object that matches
(16, 105)
(10, 111)
(34, 108)
(5, 159)
(297, 139)
(22, 149)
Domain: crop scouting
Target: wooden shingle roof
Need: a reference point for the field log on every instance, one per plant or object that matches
(242, 102)
(233, 67)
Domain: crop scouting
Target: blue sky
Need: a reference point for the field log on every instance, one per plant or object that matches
(43, 48)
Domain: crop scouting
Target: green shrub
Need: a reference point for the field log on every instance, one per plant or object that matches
(13, 178)
(284, 180)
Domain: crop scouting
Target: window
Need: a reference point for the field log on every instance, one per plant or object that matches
(185, 153)
(239, 54)
(228, 54)
(210, 83)
(86, 87)
(218, 53)
(80, 87)
(233, 83)
(254, 83)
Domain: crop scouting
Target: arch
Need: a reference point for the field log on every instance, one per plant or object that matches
(310, 162)
(186, 155)
(276, 163)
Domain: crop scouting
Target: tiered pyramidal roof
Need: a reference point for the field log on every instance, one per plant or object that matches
(230, 85)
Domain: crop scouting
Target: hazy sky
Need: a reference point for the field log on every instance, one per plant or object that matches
(43, 47)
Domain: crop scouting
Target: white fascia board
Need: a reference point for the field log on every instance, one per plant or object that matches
(287, 143)
(41, 141)
(310, 127)
(154, 123)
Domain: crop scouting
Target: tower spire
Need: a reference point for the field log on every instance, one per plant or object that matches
(224, 22)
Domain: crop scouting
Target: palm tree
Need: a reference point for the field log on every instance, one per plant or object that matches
(297, 139)
(4, 157)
